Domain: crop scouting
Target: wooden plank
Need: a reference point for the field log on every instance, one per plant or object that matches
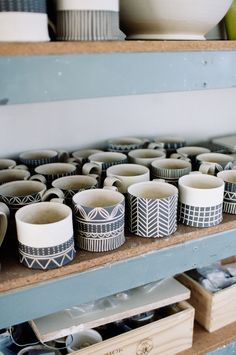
(167, 336)
(12, 49)
(93, 75)
(69, 321)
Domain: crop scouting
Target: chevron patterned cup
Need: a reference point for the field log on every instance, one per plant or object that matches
(99, 219)
(152, 209)
(45, 235)
(200, 200)
(229, 177)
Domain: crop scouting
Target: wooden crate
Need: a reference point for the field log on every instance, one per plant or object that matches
(212, 310)
(166, 336)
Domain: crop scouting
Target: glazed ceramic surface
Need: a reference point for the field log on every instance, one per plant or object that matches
(170, 169)
(229, 177)
(171, 19)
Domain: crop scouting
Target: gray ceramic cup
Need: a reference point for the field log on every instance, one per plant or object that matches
(99, 219)
(152, 209)
(229, 177)
(54, 171)
(170, 169)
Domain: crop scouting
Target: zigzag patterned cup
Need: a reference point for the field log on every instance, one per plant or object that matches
(152, 209)
(99, 219)
(45, 235)
(229, 177)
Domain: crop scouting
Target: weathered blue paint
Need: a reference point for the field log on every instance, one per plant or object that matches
(48, 297)
(28, 79)
(228, 349)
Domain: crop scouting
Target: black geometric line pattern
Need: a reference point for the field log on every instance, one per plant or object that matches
(36, 162)
(152, 218)
(97, 25)
(47, 258)
(200, 216)
(38, 6)
(124, 148)
(15, 202)
(169, 174)
(229, 207)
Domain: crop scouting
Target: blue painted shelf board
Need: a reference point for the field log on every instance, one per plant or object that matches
(58, 77)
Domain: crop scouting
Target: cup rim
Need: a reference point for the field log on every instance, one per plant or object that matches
(107, 157)
(214, 156)
(178, 164)
(132, 189)
(28, 154)
(80, 198)
(124, 141)
(226, 176)
(74, 179)
(157, 153)
(114, 170)
(187, 180)
(22, 183)
(40, 168)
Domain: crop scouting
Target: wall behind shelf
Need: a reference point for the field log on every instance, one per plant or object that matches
(195, 115)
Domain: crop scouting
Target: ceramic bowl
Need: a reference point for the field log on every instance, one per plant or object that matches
(171, 19)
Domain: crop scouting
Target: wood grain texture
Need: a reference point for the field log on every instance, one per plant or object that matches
(12, 49)
(167, 336)
(13, 275)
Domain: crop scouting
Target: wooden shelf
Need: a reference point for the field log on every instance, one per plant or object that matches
(13, 49)
(204, 342)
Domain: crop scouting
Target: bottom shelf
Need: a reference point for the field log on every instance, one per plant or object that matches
(204, 342)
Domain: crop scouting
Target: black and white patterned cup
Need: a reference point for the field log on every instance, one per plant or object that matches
(45, 235)
(99, 219)
(100, 162)
(123, 175)
(200, 200)
(125, 144)
(70, 185)
(34, 158)
(152, 209)
(81, 155)
(54, 171)
(88, 20)
(9, 175)
(38, 6)
(170, 143)
(190, 152)
(212, 163)
(145, 156)
(16, 194)
(229, 177)
(170, 169)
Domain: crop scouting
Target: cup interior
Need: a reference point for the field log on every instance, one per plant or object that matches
(43, 213)
(126, 170)
(38, 154)
(193, 150)
(146, 153)
(125, 141)
(215, 158)
(13, 174)
(170, 164)
(21, 188)
(228, 176)
(75, 182)
(107, 157)
(98, 198)
(6, 163)
(83, 339)
(152, 190)
(55, 168)
(85, 153)
(201, 181)
(170, 139)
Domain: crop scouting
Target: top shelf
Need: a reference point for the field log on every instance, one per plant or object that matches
(59, 48)
(60, 71)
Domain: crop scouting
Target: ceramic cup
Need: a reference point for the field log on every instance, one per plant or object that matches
(45, 235)
(200, 200)
(54, 171)
(13, 175)
(190, 152)
(99, 219)
(99, 162)
(125, 144)
(169, 143)
(229, 177)
(4, 214)
(34, 158)
(81, 155)
(82, 339)
(145, 156)
(20, 193)
(152, 209)
(36, 6)
(212, 163)
(70, 185)
(39, 350)
(123, 175)
(170, 169)
(10, 164)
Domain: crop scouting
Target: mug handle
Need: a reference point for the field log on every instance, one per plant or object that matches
(154, 145)
(207, 168)
(4, 214)
(228, 166)
(53, 191)
(57, 200)
(159, 180)
(111, 181)
(112, 188)
(180, 156)
(88, 167)
(63, 156)
(38, 177)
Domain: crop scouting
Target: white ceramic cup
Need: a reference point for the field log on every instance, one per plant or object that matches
(200, 200)
(82, 339)
(99, 219)
(212, 163)
(9, 175)
(124, 175)
(10, 164)
(145, 156)
(152, 209)
(45, 235)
